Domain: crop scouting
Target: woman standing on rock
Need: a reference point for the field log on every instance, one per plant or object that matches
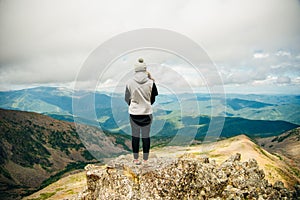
(140, 95)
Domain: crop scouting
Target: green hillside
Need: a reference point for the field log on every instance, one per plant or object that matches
(36, 150)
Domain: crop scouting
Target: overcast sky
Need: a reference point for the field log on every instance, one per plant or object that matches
(254, 43)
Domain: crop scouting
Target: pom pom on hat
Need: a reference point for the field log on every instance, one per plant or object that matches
(140, 66)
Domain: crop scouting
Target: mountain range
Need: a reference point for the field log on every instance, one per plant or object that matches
(254, 115)
(58, 101)
(37, 150)
(40, 141)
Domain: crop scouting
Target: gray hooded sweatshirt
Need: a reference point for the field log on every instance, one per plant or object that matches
(140, 94)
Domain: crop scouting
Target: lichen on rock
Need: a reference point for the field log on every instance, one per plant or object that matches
(186, 177)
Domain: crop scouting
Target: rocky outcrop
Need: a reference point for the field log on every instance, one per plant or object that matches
(186, 177)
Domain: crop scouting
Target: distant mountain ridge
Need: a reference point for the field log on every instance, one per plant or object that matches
(254, 115)
(58, 101)
(36, 149)
(238, 104)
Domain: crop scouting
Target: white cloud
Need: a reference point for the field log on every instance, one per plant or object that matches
(283, 53)
(260, 55)
(297, 80)
(269, 80)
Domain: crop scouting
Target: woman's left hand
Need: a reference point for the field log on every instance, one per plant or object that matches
(150, 77)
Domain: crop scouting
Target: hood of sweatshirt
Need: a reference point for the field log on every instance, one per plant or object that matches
(140, 77)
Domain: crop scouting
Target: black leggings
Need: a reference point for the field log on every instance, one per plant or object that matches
(137, 130)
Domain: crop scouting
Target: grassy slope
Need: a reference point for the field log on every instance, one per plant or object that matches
(287, 146)
(274, 166)
(65, 188)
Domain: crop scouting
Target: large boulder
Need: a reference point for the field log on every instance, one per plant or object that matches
(186, 177)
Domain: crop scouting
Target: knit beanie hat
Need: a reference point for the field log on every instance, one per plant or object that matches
(140, 66)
